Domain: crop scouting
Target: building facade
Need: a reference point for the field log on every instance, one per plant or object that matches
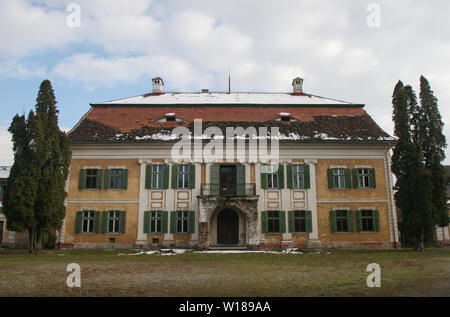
(324, 179)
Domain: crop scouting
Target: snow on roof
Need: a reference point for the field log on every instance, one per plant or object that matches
(227, 98)
(4, 171)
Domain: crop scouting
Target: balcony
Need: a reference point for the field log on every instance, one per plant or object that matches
(238, 190)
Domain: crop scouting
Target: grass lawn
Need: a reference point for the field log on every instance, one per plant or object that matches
(328, 273)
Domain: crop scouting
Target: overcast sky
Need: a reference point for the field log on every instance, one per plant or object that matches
(342, 49)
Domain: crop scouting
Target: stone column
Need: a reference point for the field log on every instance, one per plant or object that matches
(143, 203)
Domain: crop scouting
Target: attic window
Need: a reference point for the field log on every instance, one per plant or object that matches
(285, 117)
(170, 117)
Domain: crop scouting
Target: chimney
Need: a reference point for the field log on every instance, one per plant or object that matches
(157, 86)
(297, 85)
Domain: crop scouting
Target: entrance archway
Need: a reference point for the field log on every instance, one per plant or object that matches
(228, 227)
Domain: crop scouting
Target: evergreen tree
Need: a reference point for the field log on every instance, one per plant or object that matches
(41, 165)
(420, 189)
(434, 143)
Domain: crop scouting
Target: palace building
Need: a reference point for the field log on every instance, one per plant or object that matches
(326, 183)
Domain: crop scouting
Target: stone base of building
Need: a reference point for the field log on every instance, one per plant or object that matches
(311, 244)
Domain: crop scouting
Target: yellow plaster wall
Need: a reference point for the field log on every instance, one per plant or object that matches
(323, 192)
(131, 193)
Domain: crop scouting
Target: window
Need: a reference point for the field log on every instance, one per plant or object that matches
(157, 176)
(363, 177)
(273, 221)
(298, 176)
(272, 176)
(116, 178)
(182, 221)
(88, 222)
(368, 221)
(339, 177)
(341, 221)
(183, 176)
(91, 178)
(155, 221)
(300, 221)
(113, 221)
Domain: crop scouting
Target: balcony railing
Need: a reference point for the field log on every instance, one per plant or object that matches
(228, 191)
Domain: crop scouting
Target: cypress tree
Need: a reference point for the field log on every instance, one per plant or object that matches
(420, 188)
(40, 170)
(434, 143)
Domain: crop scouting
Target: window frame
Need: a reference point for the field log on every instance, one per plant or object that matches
(90, 221)
(115, 219)
(363, 175)
(365, 218)
(297, 175)
(183, 173)
(273, 217)
(301, 218)
(119, 177)
(94, 177)
(155, 217)
(339, 176)
(183, 218)
(159, 176)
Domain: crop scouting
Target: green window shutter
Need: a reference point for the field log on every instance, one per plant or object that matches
(173, 222)
(107, 183)
(96, 221)
(264, 222)
(308, 218)
(99, 178)
(289, 181)
(165, 176)
(307, 177)
(78, 220)
(358, 221)
(291, 225)
(124, 179)
(123, 219)
(263, 180)
(191, 222)
(146, 221)
(282, 218)
(376, 221)
(174, 176)
(240, 179)
(82, 180)
(280, 176)
(350, 225)
(164, 222)
(214, 179)
(148, 177)
(372, 180)
(355, 178)
(191, 176)
(348, 179)
(330, 178)
(333, 223)
(104, 222)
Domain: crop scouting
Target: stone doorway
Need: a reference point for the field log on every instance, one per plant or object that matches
(228, 227)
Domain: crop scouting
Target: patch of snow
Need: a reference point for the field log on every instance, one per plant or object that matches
(4, 171)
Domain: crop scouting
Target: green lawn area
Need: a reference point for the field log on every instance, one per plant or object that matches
(328, 273)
